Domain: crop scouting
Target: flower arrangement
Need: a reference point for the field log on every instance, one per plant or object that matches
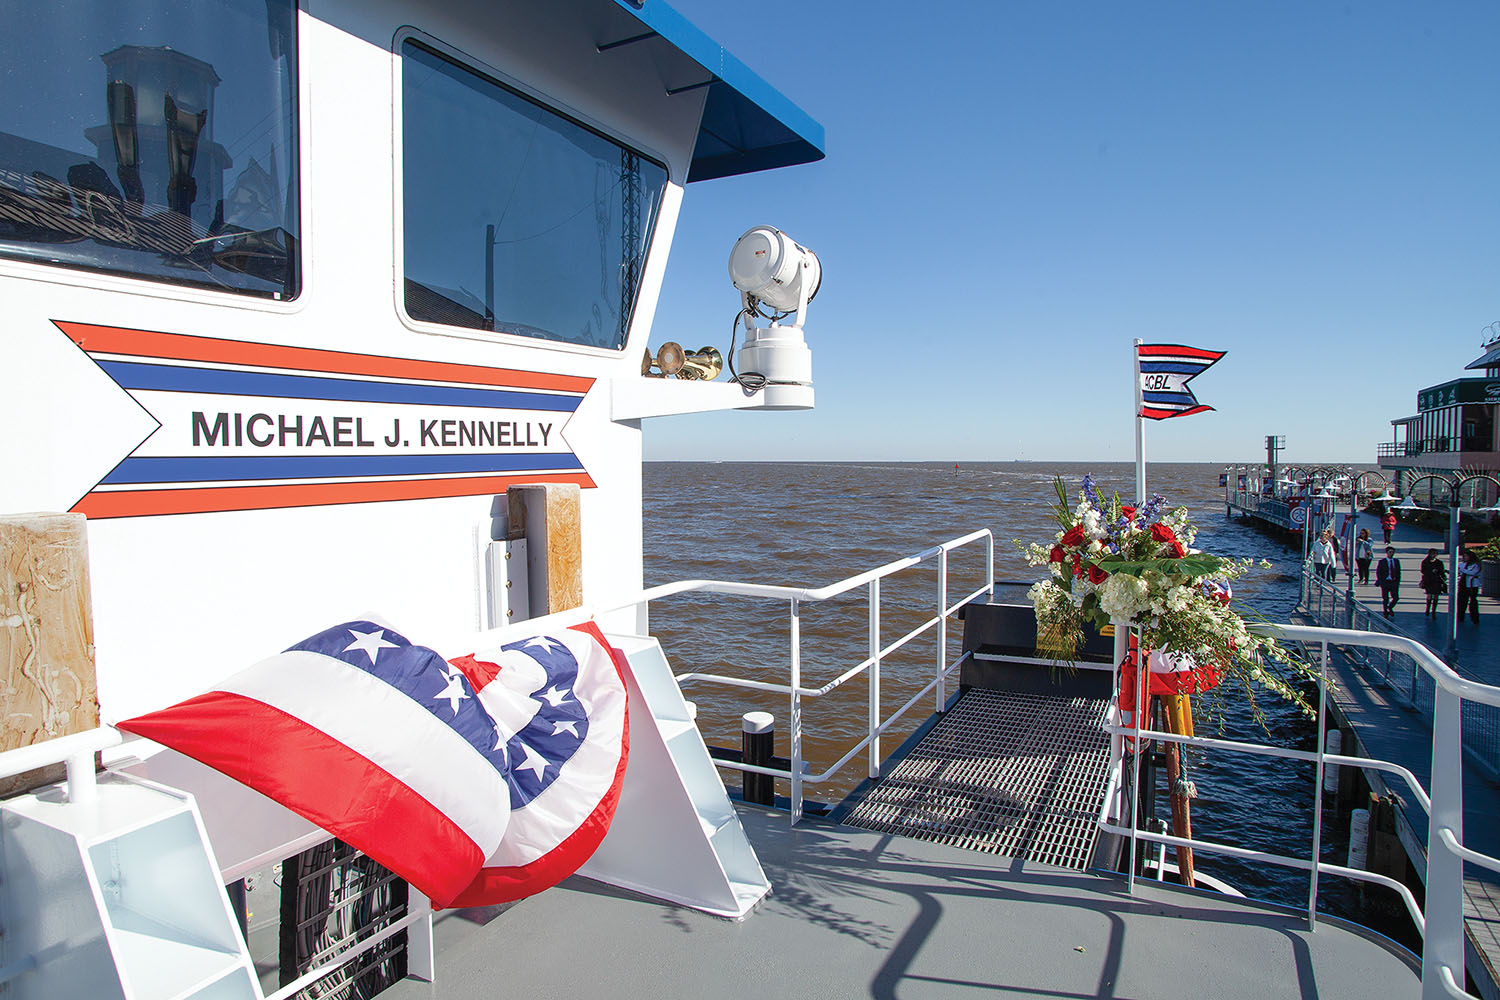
(1116, 562)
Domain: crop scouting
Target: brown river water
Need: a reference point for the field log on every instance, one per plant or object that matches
(810, 524)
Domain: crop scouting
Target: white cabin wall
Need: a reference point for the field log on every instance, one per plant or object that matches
(185, 599)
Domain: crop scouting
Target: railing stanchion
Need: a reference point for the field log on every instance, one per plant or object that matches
(989, 565)
(874, 749)
(1317, 844)
(796, 711)
(1141, 689)
(1445, 870)
(942, 636)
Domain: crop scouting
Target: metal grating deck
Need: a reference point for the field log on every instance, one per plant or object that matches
(1021, 775)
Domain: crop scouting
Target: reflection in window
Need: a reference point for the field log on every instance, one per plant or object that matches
(517, 219)
(152, 138)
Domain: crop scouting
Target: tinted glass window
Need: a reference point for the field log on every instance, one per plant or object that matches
(516, 218)
(152, 138)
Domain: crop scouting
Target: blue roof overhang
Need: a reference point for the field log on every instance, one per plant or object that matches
(747, 124)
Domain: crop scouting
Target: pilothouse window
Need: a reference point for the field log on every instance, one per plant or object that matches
(152, 138)
(516, 218)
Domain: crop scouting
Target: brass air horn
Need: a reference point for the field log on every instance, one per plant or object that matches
(701, 365)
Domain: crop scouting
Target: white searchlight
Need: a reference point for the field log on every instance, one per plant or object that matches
(772, 270)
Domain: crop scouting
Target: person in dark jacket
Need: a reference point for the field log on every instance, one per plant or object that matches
(1434, 581)
(1388, 576)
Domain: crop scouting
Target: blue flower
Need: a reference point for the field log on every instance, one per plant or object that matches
(1089, 492)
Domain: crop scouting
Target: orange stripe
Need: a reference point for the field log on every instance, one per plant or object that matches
(148, 503)
(181, 347)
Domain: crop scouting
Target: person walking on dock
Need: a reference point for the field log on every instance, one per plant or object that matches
(1388, 576)
(1364, 552)
(1388, 525)
(1434, 581)
(1468, 586)
(1322, 557)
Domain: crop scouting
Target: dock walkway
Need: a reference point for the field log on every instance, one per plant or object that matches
(1389, 708)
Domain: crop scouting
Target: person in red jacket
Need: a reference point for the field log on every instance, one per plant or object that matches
(1388, 524)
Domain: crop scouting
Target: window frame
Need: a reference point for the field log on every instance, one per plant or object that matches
(466, 61)
(152, 286)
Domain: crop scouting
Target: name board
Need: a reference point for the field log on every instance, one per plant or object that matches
(247, 426)
(1465, 390)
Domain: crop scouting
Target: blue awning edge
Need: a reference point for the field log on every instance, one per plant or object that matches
(747, 124)
(1489, 359)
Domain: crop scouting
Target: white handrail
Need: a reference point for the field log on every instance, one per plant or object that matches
(1440, 672)
(869, 666)
(1442, 923)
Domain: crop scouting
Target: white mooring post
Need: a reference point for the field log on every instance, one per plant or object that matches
(1333, 744)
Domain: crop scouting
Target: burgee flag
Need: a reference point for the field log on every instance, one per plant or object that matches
(478, 781)
(1165, 370)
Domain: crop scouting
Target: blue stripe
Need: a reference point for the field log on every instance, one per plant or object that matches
(260, 467)
(418, 673)
(1171, 367)
(1170, 398)
(555, 747)
(171, 378)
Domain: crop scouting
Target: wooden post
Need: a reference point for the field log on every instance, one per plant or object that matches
(1386, 855)
(1180, 723)
(49, 687)
(548, 516)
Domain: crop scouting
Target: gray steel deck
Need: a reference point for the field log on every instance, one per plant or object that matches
(860, 914)
(1013, 773)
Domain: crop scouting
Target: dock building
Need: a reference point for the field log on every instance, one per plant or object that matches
(1454, 426)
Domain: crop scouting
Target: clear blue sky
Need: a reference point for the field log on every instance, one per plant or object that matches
(1013, 191)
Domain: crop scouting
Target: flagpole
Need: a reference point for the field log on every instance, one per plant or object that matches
(1140, 425)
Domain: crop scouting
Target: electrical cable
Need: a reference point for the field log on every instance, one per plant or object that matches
(752, 381)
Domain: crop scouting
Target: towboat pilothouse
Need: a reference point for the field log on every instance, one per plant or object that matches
(330, 662)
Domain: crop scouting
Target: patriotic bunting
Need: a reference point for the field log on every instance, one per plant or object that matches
(478, 781)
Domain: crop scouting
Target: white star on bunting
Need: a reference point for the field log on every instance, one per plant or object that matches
(533, 762)
(555, 695)
(544, 642)
(371, 643)
(454, 692)
(565, 727)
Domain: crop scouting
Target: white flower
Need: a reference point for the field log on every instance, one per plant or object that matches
(1123, 596)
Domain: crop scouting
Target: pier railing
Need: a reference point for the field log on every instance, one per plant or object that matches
(1329, 605)
(797, 598)
(1441, 923)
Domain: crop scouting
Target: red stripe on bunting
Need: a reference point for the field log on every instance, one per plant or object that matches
(323, 781)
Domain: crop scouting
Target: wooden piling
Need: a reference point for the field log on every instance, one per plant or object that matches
(1386, 855)
(1180, 723)
(49, 688)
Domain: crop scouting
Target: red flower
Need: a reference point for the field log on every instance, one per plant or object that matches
(1077, 565)
(1127, 512)
(1074, 535)
(1162, 533)
(1097, 575)
(1057, 554)
(1175, 549)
